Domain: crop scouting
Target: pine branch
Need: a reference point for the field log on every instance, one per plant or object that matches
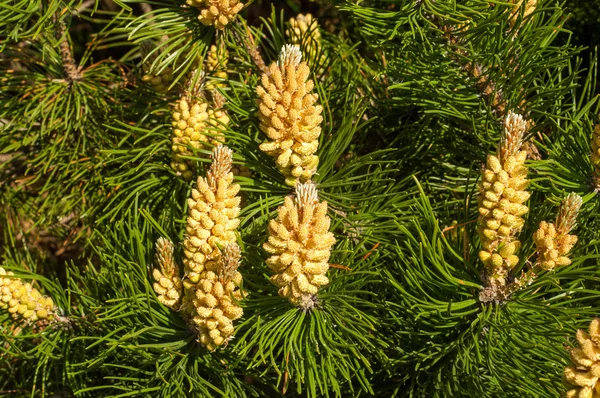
(71, 69)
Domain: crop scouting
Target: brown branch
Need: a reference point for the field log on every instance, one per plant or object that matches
(84, 6)
(72, 71)
(252, 48)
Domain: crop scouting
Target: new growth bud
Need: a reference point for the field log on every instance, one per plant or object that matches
(212, 214)
(216, 298)
(209, 291)
(304, 31)
(216, 66)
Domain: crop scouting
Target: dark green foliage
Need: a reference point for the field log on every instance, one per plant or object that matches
(414, 94)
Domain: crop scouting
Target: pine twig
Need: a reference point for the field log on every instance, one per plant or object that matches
(72, 71)
(250, 45)
(84, 6)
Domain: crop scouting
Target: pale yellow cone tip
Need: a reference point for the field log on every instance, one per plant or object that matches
(290, 55)
(567, 216)
(306, 194)
(514, 130)
(230, 262)
(164, 253)
(222, 161)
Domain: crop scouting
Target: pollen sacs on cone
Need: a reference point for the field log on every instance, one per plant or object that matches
(160, 80)
(502, 194)
(22, 300)
(209, 291)
(584, 374)
(216, 67)
(213, 212)
(290, 117)
(218, 13)
(300, 245)
(194, 125)
(168, 284)
(553, 241)
(304, 30)
(216, 299)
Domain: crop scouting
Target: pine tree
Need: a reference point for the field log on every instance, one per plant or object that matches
(219, 198)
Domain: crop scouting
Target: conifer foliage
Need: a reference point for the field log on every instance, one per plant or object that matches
(327, 199)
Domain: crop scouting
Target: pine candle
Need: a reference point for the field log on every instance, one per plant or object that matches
(209, 291)
(304, 30)
(216, 298)
(216, 66)
(213, 212)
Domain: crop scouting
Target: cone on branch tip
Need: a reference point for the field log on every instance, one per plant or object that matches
(161, 80)
(213, 212)
(209, 299)
(195, 126)
(22, 300)
(582, 377)
(217, 297)
(502, 194)
(168, 285)
(304, 30)
(216, 67)
(553, 241)
(209, 291)
(290, 116)
(217, 13)
(300, 245)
